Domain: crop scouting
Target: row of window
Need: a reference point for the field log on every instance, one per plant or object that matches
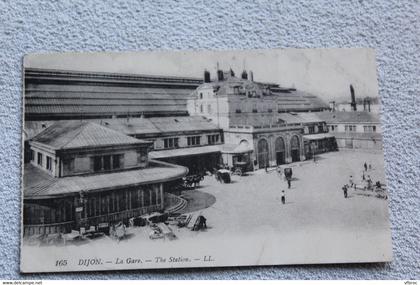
(191, 141)
(213, 139)
(333, 128)
(352, 128)
(40, 158)
(121, 201)
(107, 162)
(171, 143)
(369, 129)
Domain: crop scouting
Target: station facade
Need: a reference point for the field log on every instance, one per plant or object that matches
(275, 123)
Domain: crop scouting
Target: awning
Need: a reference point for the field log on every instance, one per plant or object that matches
(321, 136)
(187, 151)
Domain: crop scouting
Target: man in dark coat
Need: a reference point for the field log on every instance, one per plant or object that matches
(345, 190)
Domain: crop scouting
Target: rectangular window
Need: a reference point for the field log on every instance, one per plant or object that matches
(116, 164)
(49, 163)
(97, 163)
(107, 162)
(270, 110)
(238, 111)
(311, 129)
(213, 139)
(171, 143)
(374, 129)
(350, 128)
(39, 158)
(193, 140)
(31, 155)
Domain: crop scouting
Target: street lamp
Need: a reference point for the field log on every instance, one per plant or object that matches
(313, 149)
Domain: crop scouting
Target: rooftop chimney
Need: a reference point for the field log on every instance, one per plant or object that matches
(251, 75)
(244, 75)
(220, 75)
(332, 106)
(206, 76)
(353, 99)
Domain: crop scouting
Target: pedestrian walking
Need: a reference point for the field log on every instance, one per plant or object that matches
(363, 176)
(369, 183)
(351, 182)
(283, 197)
(366, 167)
(370, 166)
(345, 191)
(289, 182)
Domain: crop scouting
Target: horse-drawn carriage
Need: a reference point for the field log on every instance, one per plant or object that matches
(288, 173)
(191, 181)
(240, 168)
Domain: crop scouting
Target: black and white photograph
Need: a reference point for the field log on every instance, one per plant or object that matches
(158, 159)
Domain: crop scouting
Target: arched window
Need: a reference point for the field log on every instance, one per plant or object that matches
(295, 148)
(280, 151)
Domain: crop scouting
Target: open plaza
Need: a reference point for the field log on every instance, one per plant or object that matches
(250, 208)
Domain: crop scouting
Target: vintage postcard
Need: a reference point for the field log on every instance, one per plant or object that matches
(202, 159)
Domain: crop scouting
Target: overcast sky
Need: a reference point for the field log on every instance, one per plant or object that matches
(323, 72)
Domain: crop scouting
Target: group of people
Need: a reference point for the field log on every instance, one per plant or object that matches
(367, 178)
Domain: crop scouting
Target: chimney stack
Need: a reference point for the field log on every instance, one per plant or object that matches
(368, 101)
(251, 75)
(220, 75)
(353, 99)
(332, 106)
(206, 76)
(244, 75)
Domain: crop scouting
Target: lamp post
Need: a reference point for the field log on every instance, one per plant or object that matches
(313, 149)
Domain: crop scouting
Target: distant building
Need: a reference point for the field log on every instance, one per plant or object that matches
(231, 101)
(354, 129)
(84, 175)
(256, 119)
